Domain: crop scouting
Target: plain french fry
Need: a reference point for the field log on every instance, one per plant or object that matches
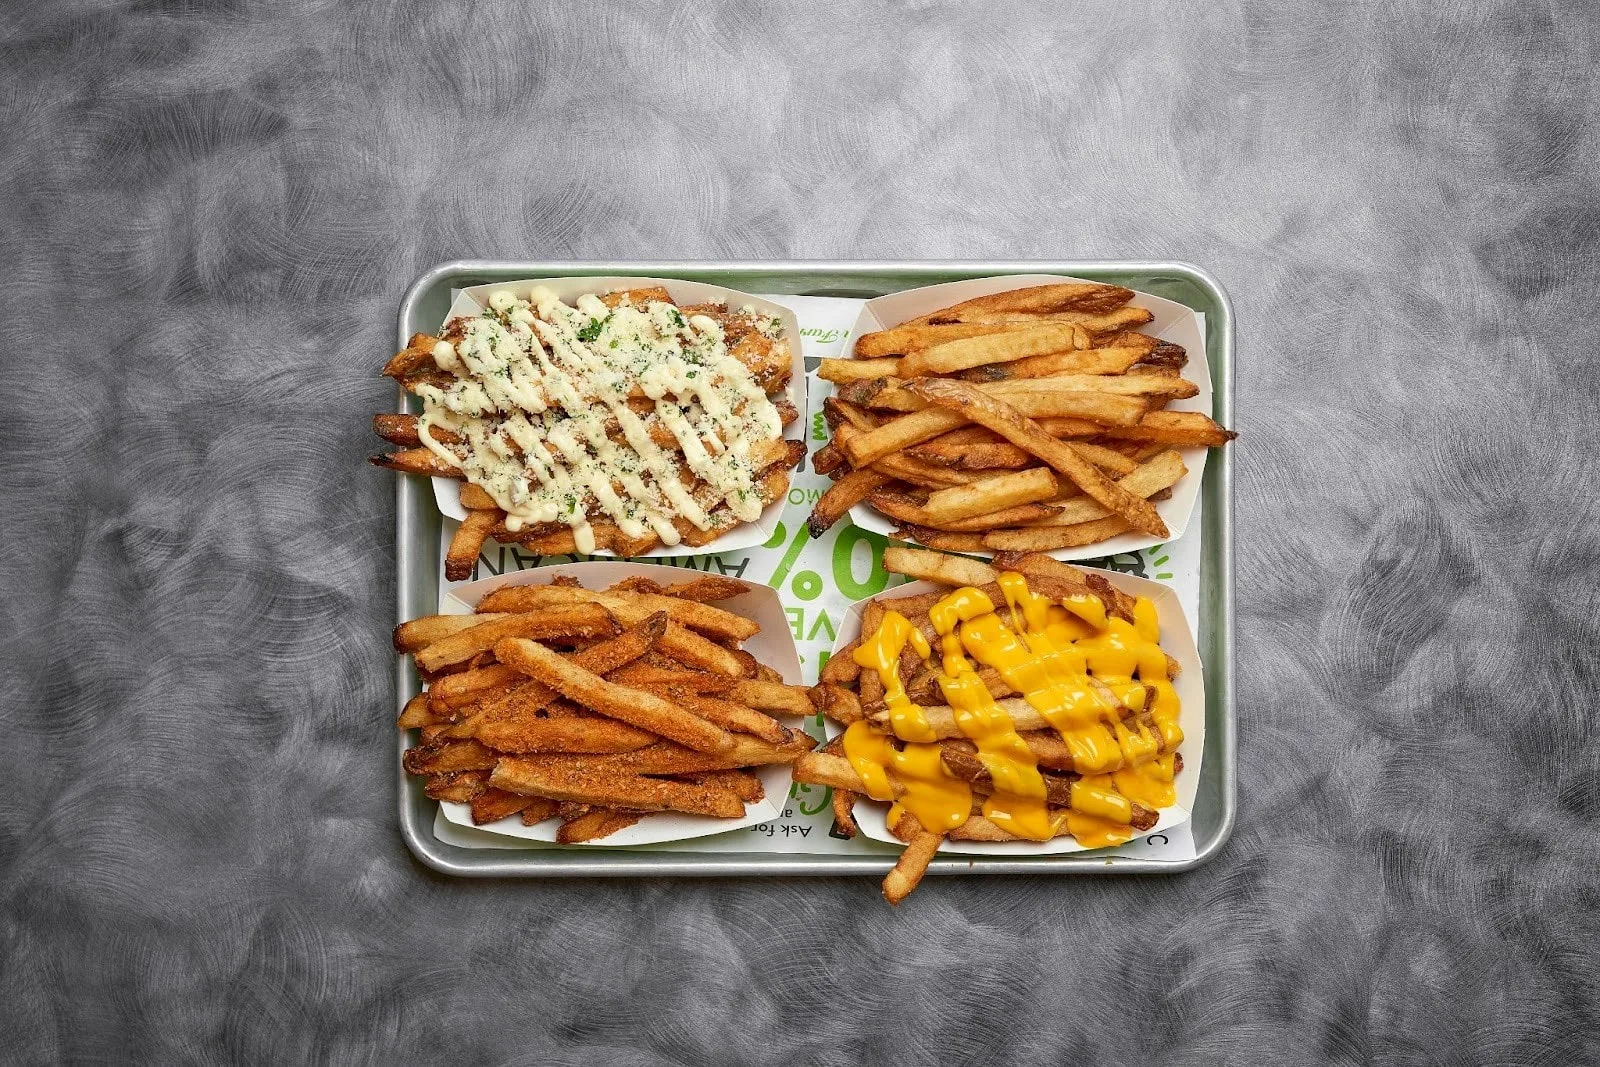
(1092, 298)
(904, 509)
(628, 608)
(953, 356)
(707, 588)
(943, 540)
(1146, 480)
(644, 710)
(916, 563)
(1050, 538)
(913, 863)
(1005, 420)
(417, 713)
(992, 494)
(854, 370)
(913, 337)
(984, 457)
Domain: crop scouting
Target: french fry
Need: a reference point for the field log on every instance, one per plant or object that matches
(1005, 420)
(1087, 361)
(531, 734)
(1050, 538)
(953, 571)
(843, 495)
(418, 634)
(913, 863)
(992, 494)
(492, 805)
(578, 620)
(941, 539)
(1185, 429)
(1092, 298)
(1146, 480)
(904, 509)
(953, 356)
(420, 460)
(458, 787)
(467, 542)
(627, 607)
(707, 588)
(644, 710)
(570, 780)
(746, 786)
(593, 825)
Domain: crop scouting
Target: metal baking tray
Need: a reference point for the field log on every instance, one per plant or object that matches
(417, 523)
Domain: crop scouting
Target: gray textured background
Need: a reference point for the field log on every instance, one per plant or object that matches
(210, 212)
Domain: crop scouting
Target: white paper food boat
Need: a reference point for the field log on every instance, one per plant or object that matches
(773, 645)
(472, 301)
(1173, 322)
(1176, 639)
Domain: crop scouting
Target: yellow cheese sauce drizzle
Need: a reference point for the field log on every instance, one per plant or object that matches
(1073, 663)
(540, 397)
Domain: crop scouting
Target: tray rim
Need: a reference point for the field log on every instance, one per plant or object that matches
(416, 830)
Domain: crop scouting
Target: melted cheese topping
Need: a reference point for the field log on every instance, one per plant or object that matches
(540, 398)
(1073, 663)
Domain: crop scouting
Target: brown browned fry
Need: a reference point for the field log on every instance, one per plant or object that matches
(593, 825)
(420, 633)
(467, 542)
(566, 779)
(905, 509)
(1050, 538)
(843, 495)
(1022, 431)
(974, 457)
(476, 498)
(459, 787)
(526, 733)
(1092, 298)
(913, 337)
(668, 758)
(837, 703)
(1183, 428)
(417, 713)
(1087, 361)
(728, 715)
(844, 816)
(1146, 479)
(707, 588)
(492, 805)
(538, 810)
(940, 539)
(746, 786)
(627, 608)
(417, 355)
(453, 756)
(641, 709)
(579, 620)
(841, 668)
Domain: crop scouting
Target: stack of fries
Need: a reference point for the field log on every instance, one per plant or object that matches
(849, 693)
(596, 707)
(767, 359)
(1025, 421)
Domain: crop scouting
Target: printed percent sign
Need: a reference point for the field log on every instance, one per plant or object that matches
(807, 584)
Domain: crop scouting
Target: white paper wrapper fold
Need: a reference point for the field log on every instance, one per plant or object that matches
(472, 301)
(774, 646)
(1172, 322)
(1176, 638)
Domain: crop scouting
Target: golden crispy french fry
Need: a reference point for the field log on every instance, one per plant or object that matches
(844, 816)
(467, 542)
(574, 780)
(416, 356)
(728, 715)
(420, 633)
(1021, 343)
(1092, 298)
(913, 337)
(1185, 429)
(1145, 480)
(772, 696)
(577, 620)
(1092, 324)
(1034, 397)
(1086, 361)
(975, 457)
(854, 370)
(641, 709)
(896, 435)
(627, 607)
(417, 713)
(1050, 538)
(953, 571)
(905, 509)
(913, 863)
(841, 668)
(1105, 458)
(1022, 431)
(742, 784)
(992, 494)
(838, 703)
